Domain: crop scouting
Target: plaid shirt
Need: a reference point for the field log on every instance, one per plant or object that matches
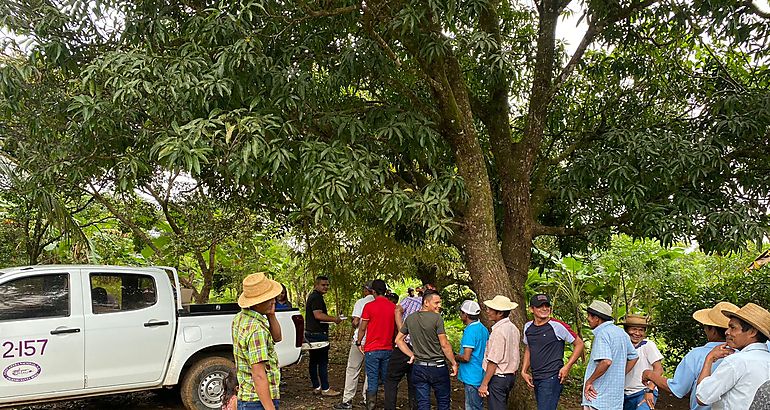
(252, 343)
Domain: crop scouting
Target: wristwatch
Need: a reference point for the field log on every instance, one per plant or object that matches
(647, 390)
(358, 343)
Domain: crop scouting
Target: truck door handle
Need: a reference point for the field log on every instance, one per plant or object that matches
(63, 331)
(153, 324)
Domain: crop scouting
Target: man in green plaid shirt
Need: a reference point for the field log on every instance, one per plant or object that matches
(255, 332)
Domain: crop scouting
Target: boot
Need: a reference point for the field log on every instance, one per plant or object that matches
(371, 399)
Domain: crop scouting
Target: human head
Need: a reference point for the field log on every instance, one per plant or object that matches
(750, 324)
(283, 295)
(636, 327)
(229, 386)
(392, 297)
(540, 306)
(714, 333)
(598, 313)
(410, 292)
(322, 284)
(379, 287)
(431, 301)
(499, 307)
(258, 289)
(469, 311)
(366, 289)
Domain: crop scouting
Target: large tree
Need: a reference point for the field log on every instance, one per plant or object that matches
(465, 120)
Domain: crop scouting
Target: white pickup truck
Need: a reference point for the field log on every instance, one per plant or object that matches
(77, 331)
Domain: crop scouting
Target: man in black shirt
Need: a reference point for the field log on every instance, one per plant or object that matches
(317, 330)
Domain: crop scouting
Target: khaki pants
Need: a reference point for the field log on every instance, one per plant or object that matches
(355, 364)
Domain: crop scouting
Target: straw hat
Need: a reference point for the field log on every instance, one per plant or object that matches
(636, 320)
(258, 288)
(714, 316)
(500, 303)
(754, 315)
(601, 309)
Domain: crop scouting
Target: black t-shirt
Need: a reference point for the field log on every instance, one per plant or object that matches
(315, 302)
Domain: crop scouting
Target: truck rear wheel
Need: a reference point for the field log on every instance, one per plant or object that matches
(201, 387)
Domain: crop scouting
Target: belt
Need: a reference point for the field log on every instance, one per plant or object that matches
(504, 374)
(430, 364)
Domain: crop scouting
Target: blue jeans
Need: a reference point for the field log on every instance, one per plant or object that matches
(500, 387)
(631, 401)
(376, 363)
(472, 399)
(254, 405)
(318, 365)
(426, 378)
(547, 392)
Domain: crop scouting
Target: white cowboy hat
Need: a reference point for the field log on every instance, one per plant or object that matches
(500, 303)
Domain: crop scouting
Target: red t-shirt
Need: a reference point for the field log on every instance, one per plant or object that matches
(380, 313)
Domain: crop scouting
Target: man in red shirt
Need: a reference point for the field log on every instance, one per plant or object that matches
(378, 325)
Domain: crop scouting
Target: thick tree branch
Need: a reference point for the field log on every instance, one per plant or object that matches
(123, 218)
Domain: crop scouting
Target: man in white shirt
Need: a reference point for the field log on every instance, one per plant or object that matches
(355, 357)
(734, 383)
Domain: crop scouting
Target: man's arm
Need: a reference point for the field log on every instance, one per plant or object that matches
(465, 356)
(601, 368)
(577, 351)
(630, 364)
(657, 379)
(262, 385)
(525, 368)
(361, 334)
(488, 374)
(446, 347)
(715, 354)
(275, 327)
(323, 317)
(401, 343)
(399, 316)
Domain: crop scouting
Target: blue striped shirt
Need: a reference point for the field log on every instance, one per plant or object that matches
(610, 342)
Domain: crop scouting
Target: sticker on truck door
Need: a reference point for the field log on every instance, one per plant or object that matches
(24, 348)
(22, 372)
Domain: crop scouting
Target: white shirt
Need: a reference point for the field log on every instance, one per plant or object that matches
(734, 383)
(358, 310)
(648, 354)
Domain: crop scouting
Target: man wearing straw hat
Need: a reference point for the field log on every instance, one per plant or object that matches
(639, 395)
(686, 374)
(255, 331)
(734, 383)
(612, 356)
(501, 358)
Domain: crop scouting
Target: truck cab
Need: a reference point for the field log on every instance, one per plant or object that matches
(77, 331)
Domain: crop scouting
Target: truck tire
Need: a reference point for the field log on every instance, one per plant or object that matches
(201, 387)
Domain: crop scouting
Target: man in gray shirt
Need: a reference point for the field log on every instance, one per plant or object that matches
(432, 352)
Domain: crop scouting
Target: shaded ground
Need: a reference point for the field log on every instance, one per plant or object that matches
(297, 393)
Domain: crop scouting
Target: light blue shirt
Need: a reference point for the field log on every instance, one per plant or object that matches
(475, 336)
(610, 342)
(687, 372)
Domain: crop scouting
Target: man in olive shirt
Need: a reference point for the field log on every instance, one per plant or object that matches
(432, 352)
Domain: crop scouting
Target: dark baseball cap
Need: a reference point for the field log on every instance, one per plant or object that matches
(539, 300)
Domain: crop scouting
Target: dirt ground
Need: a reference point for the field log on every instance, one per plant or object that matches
(297, 394)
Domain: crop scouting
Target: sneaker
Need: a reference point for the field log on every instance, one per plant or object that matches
(344, 405)
(330, 393)
(317, 391)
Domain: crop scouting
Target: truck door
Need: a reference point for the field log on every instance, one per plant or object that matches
(129, 321)
(41, 335)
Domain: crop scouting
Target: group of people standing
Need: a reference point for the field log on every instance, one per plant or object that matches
(392, 340)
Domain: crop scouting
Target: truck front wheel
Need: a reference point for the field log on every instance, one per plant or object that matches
(201, 387)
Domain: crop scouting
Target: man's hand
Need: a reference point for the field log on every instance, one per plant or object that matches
(649, 398)
(411, 359)
(337, 320)
(563, 374)
(646, 376)
(453, 373)
(271, 309)
(590, 392)
(361, 348)
(483, 390)
(719, 352)
(528, 379)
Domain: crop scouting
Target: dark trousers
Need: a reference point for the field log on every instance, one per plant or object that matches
(499, 389)
(398, 367)
(427, 378)
(319, 361)
(548, 392)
